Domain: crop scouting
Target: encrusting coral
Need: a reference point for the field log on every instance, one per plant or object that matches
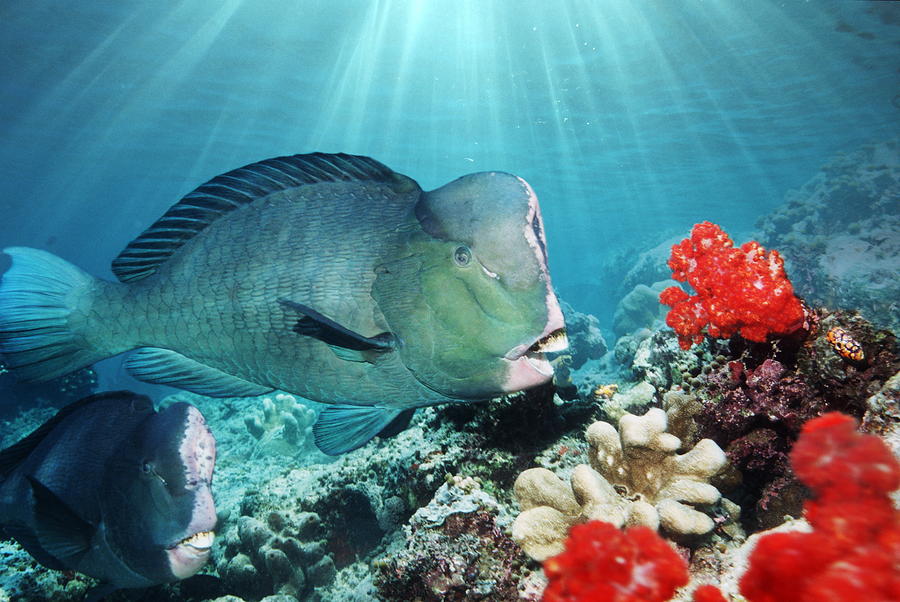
(636, 477)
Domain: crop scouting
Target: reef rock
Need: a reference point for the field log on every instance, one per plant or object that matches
(840, 234)
(454, 548)
(640, 308)
(586, 342)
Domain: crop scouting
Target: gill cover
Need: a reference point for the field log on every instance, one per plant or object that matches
(469, 285)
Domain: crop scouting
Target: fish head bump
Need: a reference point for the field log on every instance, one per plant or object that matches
(157, 501)
(470, 298)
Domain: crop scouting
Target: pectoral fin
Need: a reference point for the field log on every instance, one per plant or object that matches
(345, 343)
(29, 540)
(340, 428)
(60, 531)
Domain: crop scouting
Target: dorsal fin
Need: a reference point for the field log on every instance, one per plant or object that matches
(13, 455)
(239, 187)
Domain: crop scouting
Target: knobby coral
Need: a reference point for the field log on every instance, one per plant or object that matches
(283, 427)
(600, 562)
(738, 290)
(636, 477)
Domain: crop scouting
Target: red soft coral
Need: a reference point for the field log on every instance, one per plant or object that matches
(708, 593)
(603, 564)
(739, 290)
(835, 460)
(853, 552)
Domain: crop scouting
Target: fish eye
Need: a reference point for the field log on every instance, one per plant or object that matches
(148, 469)
(462, 256)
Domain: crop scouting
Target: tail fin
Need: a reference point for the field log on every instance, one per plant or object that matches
(37, 297)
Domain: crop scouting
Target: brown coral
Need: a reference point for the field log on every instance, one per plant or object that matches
(636, 477)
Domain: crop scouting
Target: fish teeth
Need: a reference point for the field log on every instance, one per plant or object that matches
(555, 341)
(202, 540)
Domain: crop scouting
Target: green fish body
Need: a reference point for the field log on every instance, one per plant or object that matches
(328, 276)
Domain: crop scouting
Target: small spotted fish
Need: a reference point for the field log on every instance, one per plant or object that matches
(845, 345)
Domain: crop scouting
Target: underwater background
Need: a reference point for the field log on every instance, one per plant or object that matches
(632, 121)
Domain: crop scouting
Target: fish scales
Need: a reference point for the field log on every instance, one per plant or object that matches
(328, 276)
(247, 260)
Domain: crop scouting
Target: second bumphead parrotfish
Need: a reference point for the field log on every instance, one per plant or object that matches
(328, 276)
(115, 490)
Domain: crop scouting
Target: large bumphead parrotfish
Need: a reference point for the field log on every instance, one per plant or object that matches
(113, 489)
(328, 276)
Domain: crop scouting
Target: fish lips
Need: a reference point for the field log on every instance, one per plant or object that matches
(190, 554)
(528, 367)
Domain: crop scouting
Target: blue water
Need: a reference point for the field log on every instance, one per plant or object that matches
(631, 120)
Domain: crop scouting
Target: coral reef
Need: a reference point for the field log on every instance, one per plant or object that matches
(586, 342)
(641, 265)
(635, 477)
(856, 529)
(428, 514)
(838, 234)
(849, 549)
(754, 401)
(633, 400)
(738, 290)
(627, 345)
(661, 361)
(454, 548)
(283, 426)
(284, 555)
(640, 308)
(882, 415)
(600, 562)
(642, 458)
(507, 423)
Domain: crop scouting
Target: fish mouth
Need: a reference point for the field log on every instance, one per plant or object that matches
(557, 340)
(190, 554)
(198, 543)
(532, 367)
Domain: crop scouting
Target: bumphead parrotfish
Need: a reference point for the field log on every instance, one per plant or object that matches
(328, 276)
(113, 489)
